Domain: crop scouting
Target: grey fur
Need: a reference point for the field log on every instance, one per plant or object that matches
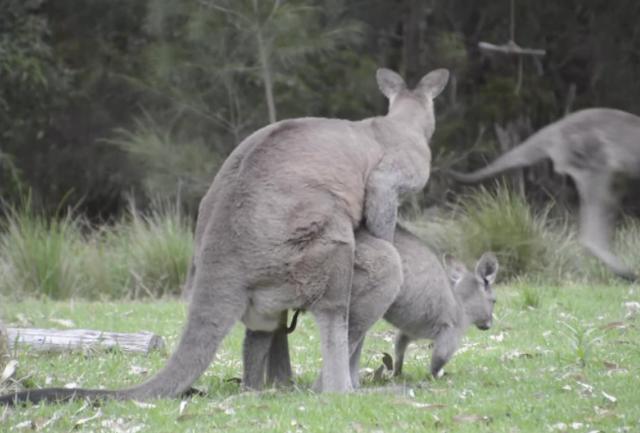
(423, 301)
(266, 357)
(440, 304)
(276, 232)
(592, 146)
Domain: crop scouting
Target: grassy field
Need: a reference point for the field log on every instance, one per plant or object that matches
(557, 359)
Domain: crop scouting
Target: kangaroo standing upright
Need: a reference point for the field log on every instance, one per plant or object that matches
(278, 231)
(592, 146)
(424, 301)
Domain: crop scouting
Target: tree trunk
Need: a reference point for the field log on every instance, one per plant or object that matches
(411, 40)
(508, 138)
(263, 58)
(267, 78)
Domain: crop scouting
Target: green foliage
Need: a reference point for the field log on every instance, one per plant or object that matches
(11, 184)
(531, 297)
(451, 51)
(528, 244)
(531, 246)
(209, 72)
(502, 221)
(141, 255)
(57, 97)
(40, 256)
(154, 250)
(171, 167)
(209, 67)
(581, 340)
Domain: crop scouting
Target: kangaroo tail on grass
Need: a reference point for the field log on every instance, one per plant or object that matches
(212, 313)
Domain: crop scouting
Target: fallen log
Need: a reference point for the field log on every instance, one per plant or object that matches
(57, 340)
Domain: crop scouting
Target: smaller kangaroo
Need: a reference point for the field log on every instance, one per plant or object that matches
(429, 307)
(593, 146)
(431, 302)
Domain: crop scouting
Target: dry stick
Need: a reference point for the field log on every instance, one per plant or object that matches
(512, 48)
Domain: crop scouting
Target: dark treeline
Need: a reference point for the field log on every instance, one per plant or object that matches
(104, 99)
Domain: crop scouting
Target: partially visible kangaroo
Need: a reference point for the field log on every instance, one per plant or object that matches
(430, 303)
(278, 231)
(593, 146)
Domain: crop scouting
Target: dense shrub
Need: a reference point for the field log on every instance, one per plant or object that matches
(530, 245)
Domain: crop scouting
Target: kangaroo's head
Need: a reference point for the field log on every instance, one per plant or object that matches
(416, 104)
(474, 289)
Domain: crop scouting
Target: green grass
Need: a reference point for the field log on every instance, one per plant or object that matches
(551, 359)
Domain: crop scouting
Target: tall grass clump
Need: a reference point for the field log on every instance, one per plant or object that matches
(501, 220)
(40, 256)
(143, 254)
(151, 252)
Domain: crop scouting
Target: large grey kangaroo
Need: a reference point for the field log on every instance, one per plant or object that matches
(424, 301)
(278, 231)
(592, 146)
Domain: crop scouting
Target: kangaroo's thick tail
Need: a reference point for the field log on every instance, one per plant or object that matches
(212, 313)
(530, 151)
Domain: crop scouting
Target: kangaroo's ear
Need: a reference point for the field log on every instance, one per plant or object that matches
(455, 269)
(389, 82)
(487, 267)
(432, 84)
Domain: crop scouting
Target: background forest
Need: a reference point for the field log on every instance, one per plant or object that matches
(104, 99)
(120, 112)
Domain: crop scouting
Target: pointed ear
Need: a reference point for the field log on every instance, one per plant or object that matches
(389, 82)
(487, 267)
(455, 269)
(432, 84)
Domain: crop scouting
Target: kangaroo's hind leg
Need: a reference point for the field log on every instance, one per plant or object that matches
(255, 350)
(278, 362)
(598, 206)
(333, 265)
